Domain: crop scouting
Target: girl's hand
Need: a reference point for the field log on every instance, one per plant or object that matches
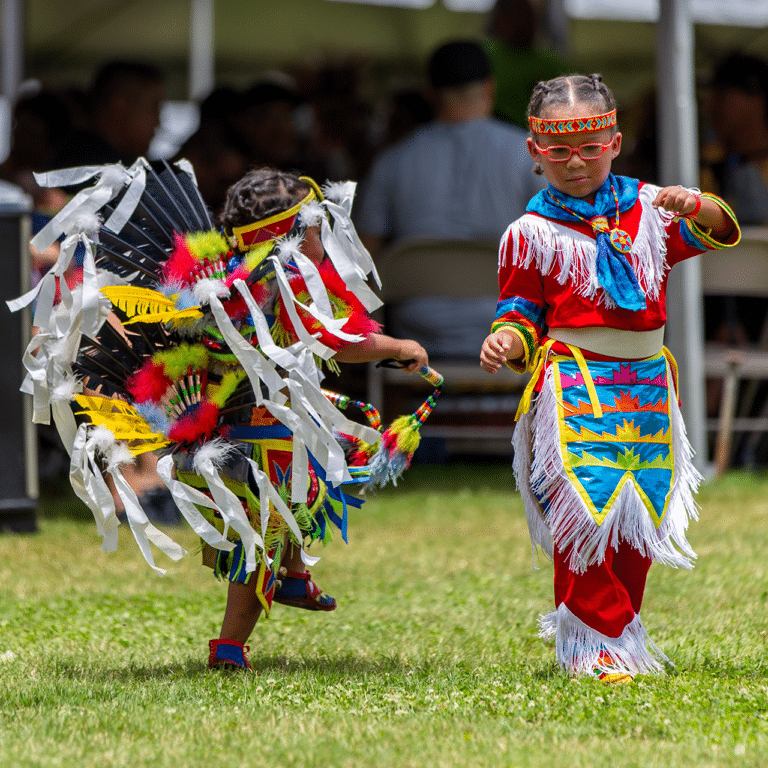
(496, 349)
(412, 350)
(677, 200)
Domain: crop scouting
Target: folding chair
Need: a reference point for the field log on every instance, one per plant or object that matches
(476, 409)
(733, 272)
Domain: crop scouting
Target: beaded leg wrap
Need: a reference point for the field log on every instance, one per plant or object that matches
(228, 654)
(298, 590)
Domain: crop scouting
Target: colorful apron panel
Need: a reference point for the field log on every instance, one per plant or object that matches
(615, 428)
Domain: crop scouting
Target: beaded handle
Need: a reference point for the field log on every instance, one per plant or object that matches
(430, 375)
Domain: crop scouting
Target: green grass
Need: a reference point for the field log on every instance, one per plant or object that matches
(431, 659)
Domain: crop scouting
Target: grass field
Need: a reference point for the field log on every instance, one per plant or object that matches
(431, 659)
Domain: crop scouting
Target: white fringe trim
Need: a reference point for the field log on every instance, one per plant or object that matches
(522, 444)
(540, 470)
(578, 646)
(553, 247)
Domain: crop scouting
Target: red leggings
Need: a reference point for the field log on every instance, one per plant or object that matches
(605, 597)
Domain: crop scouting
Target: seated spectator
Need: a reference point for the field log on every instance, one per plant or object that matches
(40, 121)
(407, 110)
(338, 121)
(263, 122)
(736, 100)
(123, 113)
(738, 110)
(464, 176)
(218, 160)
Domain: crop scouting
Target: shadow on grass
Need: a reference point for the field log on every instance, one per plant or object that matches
(327, 669)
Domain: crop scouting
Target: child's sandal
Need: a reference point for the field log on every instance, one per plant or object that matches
(299, 591)
(228, 654)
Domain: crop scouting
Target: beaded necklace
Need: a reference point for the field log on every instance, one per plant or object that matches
(620, 239)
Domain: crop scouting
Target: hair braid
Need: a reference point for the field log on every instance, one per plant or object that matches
(570, 90)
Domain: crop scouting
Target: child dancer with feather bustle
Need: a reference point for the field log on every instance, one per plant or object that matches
(601, 456)
(254, 213)
(207, 346)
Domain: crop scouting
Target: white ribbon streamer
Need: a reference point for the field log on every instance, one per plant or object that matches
(143, 531)
(267, 494)
(349, 270)
(186, 498)
(341, 213)
(317, 347)
(130, 200)
(314, 282)
(112, 178)
(231, 509)
(89, 486)
(256, 365)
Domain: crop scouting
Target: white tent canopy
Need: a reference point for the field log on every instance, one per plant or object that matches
(742, 13)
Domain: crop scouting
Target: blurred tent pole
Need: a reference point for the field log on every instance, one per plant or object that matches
(12, 64)
(679, 164)
(19, 488)
(18, 436)
(201, 49)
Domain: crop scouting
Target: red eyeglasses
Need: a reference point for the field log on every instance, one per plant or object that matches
(562, 153)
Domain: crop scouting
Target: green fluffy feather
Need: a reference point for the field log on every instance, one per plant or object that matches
(207, 245)
(176, 362)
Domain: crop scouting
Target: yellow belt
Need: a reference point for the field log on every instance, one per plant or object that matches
(540, 360)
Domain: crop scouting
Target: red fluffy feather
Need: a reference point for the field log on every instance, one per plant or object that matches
(148, 383)
(345, 304)
(198, 424)
(236, 306)
(181, 263)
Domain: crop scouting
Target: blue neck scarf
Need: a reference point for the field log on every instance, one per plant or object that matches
(614, 272)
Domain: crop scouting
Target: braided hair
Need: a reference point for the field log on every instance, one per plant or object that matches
(570, 90)
(261, 193)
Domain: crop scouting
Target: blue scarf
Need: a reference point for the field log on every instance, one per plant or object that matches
(614, 272)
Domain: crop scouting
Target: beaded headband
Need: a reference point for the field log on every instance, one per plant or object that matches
(581, 125)
(250, 235)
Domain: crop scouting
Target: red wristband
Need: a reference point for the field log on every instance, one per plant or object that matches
(695, 211)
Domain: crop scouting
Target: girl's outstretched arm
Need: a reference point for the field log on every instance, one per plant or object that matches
(703, 210)
(379, 346)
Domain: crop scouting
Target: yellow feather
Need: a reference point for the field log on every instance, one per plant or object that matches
(144, 305)
(123, 421)
(166, 316)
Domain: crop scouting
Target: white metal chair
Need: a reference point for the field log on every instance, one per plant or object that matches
(738, 271)
(476, 409)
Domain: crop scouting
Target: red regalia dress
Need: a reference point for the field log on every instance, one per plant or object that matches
(601, 456)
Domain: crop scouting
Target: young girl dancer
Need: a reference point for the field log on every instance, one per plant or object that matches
(601, 456)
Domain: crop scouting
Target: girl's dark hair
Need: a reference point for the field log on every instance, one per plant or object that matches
(570, 90)
(261, 193)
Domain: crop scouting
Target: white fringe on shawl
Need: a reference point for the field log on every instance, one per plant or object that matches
(539, 469)
(572, 256)
(578, 646)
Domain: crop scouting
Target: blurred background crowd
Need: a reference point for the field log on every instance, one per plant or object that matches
(355, 114)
